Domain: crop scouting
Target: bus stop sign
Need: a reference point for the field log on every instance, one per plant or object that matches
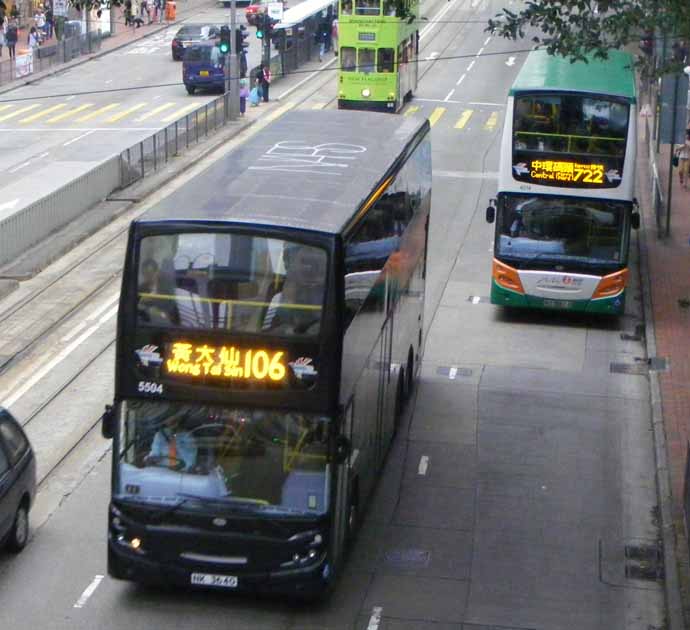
(674, 99)
(275, 10)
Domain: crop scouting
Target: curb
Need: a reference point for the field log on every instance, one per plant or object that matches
(674, 608)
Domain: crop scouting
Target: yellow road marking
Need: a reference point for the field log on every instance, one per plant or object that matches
(45, 112)
(436, 115)
(125, 112)
(464, 119)
(319, 106)
(179, 113)
(4, 107)
(491, 123)
(411, 110)
(71, 112)
(153, 112)
(98, 112)
(19, 112)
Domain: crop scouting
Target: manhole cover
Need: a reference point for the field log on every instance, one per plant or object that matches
(629, 368)
(408, 558)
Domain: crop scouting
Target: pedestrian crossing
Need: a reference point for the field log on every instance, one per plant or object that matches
(460, 119)
(77, 114)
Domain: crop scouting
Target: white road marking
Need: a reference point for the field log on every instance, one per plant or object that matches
(47, 129)
(423, 463)
(88, 133)
(425, 100)
(452, 373)
(511, 61)
(432, 56)
(434, 20)
(92, 316)
(476, 299)
(488, 39)
(18, 168)
(449, 95)
(88, 591)
(48, 367)
(44, 154)
(484, 103)
(470, 66)
(375, 618)
(69, 98)
(461, 79)
(481, 50)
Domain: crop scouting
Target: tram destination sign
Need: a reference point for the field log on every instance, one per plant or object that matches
(566, 173)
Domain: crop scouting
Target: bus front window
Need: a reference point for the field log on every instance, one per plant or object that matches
(249, 458)
(235, 282)
(557, 227)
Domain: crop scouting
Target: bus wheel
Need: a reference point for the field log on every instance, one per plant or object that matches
(190, 89)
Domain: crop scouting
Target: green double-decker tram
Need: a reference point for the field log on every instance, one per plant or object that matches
(379, 46)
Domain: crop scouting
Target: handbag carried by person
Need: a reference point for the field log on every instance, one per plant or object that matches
(675, 160)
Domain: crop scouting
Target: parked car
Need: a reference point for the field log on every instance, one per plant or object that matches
(191, 34)
(17, 483)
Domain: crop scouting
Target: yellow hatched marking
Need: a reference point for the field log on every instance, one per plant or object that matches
(180, 112)
(4, 107)
(98, 112)
(319, 106)
(412, 109)
(436, 115)
(45, 112)
(464, 119)
(155, 111)
(490, 124)
(71, 112)
(19, 112)
(125, 112)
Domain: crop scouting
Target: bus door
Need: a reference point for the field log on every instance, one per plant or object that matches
(342, 499)
(384, 425)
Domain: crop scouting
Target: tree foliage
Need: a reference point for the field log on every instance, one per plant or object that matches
(576, 28)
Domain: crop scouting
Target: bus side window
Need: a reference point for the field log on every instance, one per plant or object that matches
(386, 58)
(348, 57)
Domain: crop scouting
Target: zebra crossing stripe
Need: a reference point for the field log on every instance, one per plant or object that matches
(69, 113)
(155, 111)
(491, 123)
(98, 112)
(19, 112)
(45, 112)
(436, 115)
(464, 119)
(180, 112)
(125, 112)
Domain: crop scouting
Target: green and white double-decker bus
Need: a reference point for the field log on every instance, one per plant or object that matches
(565, 203)
(379, 45)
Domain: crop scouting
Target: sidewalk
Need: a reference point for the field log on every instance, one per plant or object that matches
(123, 36)
(668, 270)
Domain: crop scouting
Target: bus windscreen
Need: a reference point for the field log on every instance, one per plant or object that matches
(231, 281)
(552, 228)
(243, 458)
(569, 140)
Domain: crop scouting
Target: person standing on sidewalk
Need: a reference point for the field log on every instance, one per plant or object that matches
(334, 35)
(33, 39)
(11, 38)
(2, 37)
(49, 21)
(682, 152)
(263, 74)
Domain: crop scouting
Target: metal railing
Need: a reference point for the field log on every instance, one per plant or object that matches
(657, 192)
(49, 55)
(154, 152)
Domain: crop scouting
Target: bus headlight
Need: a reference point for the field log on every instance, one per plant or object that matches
(391, 96)
(366, 92)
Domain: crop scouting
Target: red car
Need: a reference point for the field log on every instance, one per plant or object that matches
(255, 7)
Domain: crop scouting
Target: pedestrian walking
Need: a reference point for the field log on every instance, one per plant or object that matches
(263, 74)
(334, 35)
(11, 37)
(682, 152)
(244, 95)
(40, 21)
(145, 11)
(2, 38)
(33, 38)
(49, 21)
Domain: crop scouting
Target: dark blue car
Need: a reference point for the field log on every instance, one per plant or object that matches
(17, 483)
(203, 68)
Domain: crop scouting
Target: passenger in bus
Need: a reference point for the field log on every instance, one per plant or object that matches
(346, 8)
(292, 310)
(172, 446)
(152, 309)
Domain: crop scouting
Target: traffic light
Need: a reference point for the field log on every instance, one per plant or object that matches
(224, 39)
(240, 36)
(261, 25)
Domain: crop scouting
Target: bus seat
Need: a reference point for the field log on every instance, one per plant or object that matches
(192, 311)
(305, 491)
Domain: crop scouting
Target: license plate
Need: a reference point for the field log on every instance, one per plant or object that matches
(203, 73)
(207, 579)
(557, 304)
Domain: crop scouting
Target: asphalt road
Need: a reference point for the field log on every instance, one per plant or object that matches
(538, 459)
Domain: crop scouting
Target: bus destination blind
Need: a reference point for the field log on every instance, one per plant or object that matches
(566, 173)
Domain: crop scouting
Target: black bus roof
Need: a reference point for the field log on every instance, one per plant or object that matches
(308, 170)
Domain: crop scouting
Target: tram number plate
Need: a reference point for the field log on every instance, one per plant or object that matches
(206, 579)
(558, 304)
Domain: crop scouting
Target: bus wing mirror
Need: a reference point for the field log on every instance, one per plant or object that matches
(490, 214)
(343, 448)
(635, 221)
(108, 422)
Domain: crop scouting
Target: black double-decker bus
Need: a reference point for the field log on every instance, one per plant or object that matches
(270, 329)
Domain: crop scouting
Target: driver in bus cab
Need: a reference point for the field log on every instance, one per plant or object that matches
(296, 308)
(172, 446)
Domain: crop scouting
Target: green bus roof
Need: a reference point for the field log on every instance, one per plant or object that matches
(542, 72)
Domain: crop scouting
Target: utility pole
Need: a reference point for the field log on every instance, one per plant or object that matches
(232, 95)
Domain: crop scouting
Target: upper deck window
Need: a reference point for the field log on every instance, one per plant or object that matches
(236, 282)
(367, 7)
(570, 123)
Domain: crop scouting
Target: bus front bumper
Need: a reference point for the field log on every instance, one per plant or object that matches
(367, 105)
(313, 579)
